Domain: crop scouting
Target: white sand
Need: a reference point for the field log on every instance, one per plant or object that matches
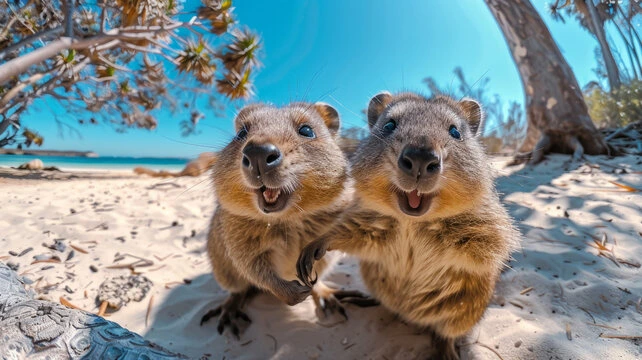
(572, 287)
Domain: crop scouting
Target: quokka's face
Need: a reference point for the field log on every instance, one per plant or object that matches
(283, 162)
(422, 154)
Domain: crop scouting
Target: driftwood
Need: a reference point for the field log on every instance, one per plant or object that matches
(627, 139)
(46, 330)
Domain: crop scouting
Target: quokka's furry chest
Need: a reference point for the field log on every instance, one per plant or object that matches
(418, 269)
(282, 241)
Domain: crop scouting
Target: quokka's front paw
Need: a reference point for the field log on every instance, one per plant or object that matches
(293, 292)
(309, 255)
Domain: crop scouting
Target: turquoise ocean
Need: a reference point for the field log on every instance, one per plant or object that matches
(96, 163)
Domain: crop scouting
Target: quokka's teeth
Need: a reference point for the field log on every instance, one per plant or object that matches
(271, 195)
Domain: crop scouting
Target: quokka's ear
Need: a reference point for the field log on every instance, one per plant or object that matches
(244, 113)
(377, 105)
(473, 113)
(330, 116)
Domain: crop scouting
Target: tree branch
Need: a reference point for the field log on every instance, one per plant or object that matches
(18, 88)
(4, 125)
(6, 30)
(30, 39)
(68, 8)
(19, 65)
(103, 18)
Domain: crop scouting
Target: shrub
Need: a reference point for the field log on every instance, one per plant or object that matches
(616, 108)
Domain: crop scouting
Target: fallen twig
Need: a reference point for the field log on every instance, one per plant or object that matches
(52, 260)
(620, 131)
(625, 187)
(171, 284)
(162, 258)
(79, 249)
(275, 342)
(589, 314)
(103, 308)
(526, 291)
(149, 309)
(487, 347)
(623, 337)
(66, 303)
(516, 304)
(102, 226)
(602, 326)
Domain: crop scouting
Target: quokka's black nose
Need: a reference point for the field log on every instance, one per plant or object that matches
(261, 159)
(419, 162)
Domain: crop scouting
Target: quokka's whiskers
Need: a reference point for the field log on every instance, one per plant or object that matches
(207, 178)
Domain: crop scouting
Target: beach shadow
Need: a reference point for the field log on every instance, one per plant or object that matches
(281, 331)
(561, 292)
(557, 288)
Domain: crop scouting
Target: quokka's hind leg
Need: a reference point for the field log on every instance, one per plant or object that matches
(230, 313)
(329, 300)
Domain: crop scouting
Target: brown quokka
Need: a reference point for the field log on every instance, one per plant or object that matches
(427, 224)
(280, 183)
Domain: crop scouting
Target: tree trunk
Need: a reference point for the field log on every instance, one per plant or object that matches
(597, 24)
(558, 119)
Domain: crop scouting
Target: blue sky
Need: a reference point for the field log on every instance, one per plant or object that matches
(342, 52)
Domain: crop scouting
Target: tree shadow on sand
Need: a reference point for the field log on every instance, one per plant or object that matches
(557, 288)
(563, 290)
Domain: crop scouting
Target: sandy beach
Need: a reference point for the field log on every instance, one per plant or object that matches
(573, 290)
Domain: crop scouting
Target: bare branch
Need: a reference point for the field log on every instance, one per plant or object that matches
(68, 8)
(6, 30)
(115, 66)
(30, 39)
(103, 18)
(18, 88)
(6, 122)
(19, 65)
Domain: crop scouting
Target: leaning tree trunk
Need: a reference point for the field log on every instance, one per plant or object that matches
(597, 24)
(558, 119)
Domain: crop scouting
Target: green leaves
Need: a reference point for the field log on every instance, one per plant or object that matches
(197, 60)
(219, 15)
(32, 137)
(616, 108)
(235, 85)
(118, 70)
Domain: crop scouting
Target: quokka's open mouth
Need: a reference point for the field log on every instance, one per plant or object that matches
(413, 203)
(272, 200)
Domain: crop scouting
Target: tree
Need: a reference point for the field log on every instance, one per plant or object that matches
(116, 60)
(558, 119)
(592, 16)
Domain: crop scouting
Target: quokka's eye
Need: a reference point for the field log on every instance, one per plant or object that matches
(241, 135)
(390, 126)
(454, 132)
(306, 131)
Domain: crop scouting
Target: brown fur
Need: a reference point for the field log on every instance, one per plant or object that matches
(251, 248)
(439, 269)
